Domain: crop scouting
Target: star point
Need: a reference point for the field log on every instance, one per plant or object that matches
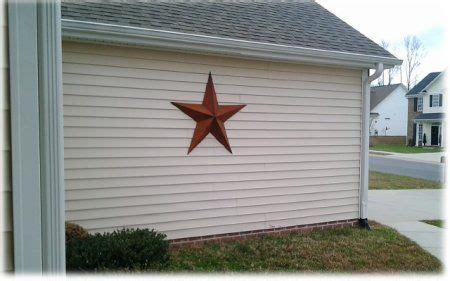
(210, 117)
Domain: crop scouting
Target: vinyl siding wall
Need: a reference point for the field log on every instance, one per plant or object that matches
(393, 114)
(296, 144)
(5, 169)
(435, 88)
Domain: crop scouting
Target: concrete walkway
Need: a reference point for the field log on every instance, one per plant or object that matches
(403, 210)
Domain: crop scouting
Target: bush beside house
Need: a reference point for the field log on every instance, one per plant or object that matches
(127, 249)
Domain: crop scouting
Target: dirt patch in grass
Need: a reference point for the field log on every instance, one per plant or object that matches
(405, 149)
(438, 223)
(379, 180)
(340, 250)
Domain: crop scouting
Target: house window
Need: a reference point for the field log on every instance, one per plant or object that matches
(420, 133)
(419, 104)
(440, 99)
(435, 100)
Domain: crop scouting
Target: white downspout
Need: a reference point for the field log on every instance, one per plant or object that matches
(363, 197)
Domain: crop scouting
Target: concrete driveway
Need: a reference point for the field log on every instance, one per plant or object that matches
(403, 210)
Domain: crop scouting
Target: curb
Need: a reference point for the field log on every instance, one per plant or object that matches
(374, 152)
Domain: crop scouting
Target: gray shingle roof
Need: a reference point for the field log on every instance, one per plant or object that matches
(430, 116)
(423, 84)
(297, 23)
(379, 93)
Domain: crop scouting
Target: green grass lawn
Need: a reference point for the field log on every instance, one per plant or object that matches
(349, 249)
(404, 149)
(379, 180)
(438, 223)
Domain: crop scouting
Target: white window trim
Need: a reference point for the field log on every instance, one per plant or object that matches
(419, 134)
(435, 100)
(419, 104)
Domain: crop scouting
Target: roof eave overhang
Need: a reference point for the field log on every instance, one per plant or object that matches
(429, 120)
(415, 96)
(73, 30)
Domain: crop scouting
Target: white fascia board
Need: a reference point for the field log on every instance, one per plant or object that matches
(73, 30)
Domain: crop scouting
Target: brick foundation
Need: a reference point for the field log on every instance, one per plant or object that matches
(374, 140)
(281, 231)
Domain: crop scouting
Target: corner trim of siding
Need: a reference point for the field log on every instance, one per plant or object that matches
(74, 30)
(51, 136)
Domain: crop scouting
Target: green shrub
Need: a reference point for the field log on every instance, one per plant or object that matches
(128, 249)
(74, 232)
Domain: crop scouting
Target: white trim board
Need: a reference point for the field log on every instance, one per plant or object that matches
(36, 136)
(73, 30)
(25, 136)
(51, 136)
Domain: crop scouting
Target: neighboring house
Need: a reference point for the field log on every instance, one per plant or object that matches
(426, 103)
(392, 108)
(111, 152)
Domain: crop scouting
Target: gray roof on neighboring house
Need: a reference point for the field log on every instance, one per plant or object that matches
(379, 93)
(430, 116)
(422, 84)
(297, 23)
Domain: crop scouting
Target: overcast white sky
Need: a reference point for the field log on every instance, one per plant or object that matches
(391, 20)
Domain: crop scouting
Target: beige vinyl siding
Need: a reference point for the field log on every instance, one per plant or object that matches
(5, 169)
(296, 145)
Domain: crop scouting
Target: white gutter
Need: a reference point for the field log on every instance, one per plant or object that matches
(73, 30)
(363, 196)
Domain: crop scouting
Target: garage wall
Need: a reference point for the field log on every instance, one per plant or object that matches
(5, 165)
(296, 145)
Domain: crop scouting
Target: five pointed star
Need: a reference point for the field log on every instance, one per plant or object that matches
(210, 117)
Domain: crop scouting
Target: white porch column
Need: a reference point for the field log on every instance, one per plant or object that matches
(25, 136)
(36, 136)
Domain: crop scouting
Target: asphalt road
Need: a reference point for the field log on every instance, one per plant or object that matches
(413, 169)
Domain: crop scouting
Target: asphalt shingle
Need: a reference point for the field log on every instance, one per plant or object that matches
(379, 93)
(423, 84)
(296, 23)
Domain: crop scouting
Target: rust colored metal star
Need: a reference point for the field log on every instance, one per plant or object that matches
(210, 117)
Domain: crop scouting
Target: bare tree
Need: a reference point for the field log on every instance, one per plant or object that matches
(388, 75)
(381, 80)
(391, 72)
(414, 54)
